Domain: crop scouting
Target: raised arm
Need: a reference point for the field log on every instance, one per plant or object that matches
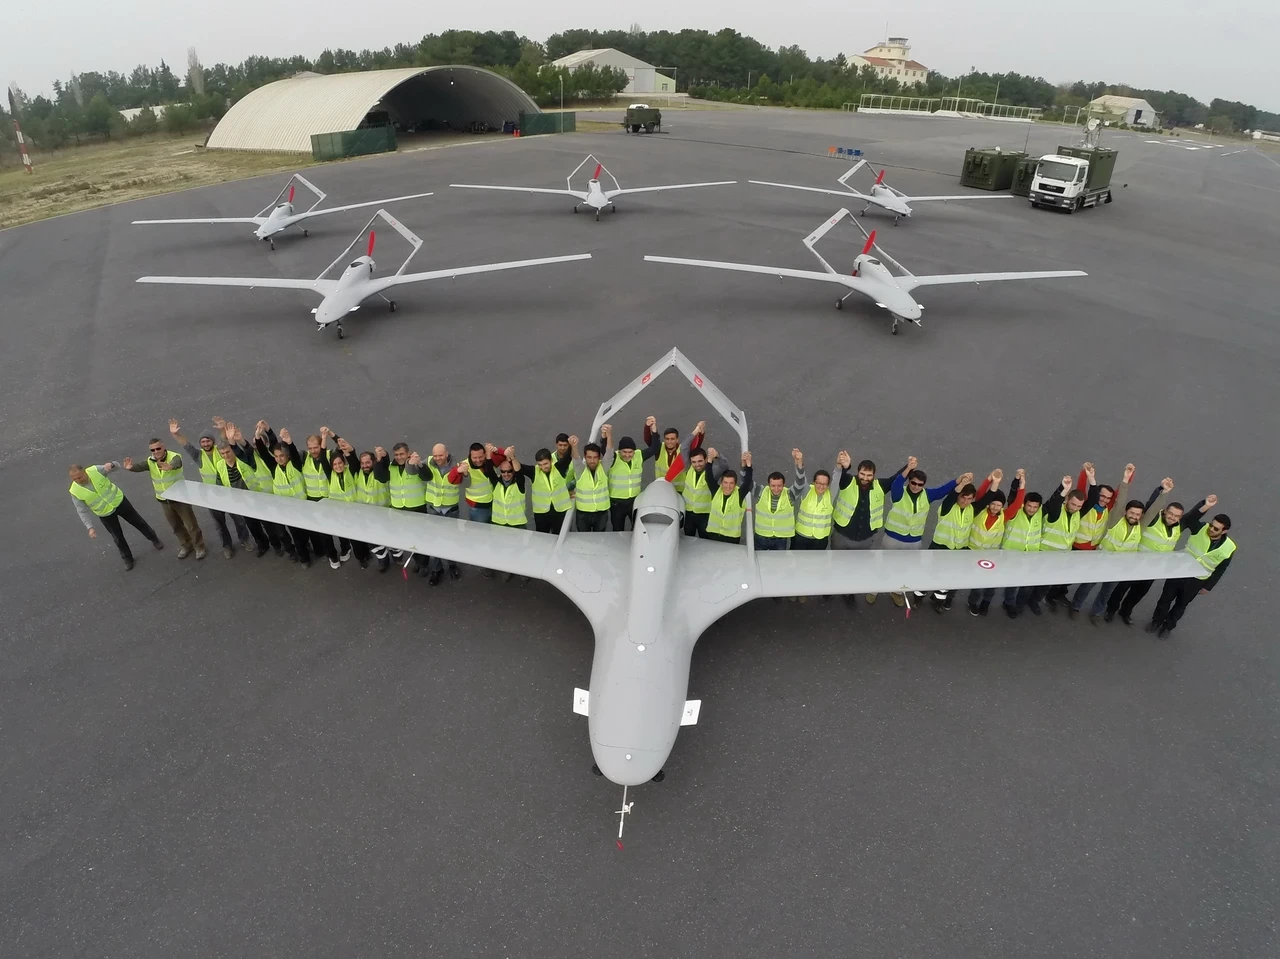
(1155, 502)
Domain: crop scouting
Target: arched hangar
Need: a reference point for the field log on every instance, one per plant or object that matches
(282, 116)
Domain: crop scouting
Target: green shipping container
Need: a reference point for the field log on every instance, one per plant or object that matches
(1102, 163)
(533, 124)
(1024, 171)
(989, 169)
(352, 143)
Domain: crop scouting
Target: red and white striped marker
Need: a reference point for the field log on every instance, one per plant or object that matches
(17, 129)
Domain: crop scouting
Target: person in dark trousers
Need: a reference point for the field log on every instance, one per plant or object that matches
(1213, 549)
(591, 496)
(955, 522)
(285, 463)
(165, 467)
(1058, 533)
(1161, 530)
(626, 474)
(231, 476)
(253, 466)
(207, 459)
(729, 504)
(859, 508)
(510, 496)
(775, 509)
(97, 498)
(699, 485)
(550, 485)
(909, 505)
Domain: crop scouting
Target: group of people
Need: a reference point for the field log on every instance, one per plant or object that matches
(848, 508)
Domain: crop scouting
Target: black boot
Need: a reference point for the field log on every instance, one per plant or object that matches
(1110, 615)
(982, 610)
(454, 572)
(435, 577)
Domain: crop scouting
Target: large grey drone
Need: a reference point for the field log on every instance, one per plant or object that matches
(650, 593)
(357, 283)
(279, 216)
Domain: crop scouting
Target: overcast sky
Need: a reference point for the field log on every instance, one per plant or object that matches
(1223, 49)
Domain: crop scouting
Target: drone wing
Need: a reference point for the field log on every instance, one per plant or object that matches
(585, 569)
(358, 206)
(670, 186)
(964, 196)
(576, 194)
(403, 278)
(778, 271)
(255, 220)
(911, 282)
(320, 287)
(894, 571)
(813, 189)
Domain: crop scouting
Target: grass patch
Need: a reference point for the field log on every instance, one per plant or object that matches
(71, 180)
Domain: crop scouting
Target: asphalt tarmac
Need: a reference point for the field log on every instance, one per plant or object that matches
(248, 759)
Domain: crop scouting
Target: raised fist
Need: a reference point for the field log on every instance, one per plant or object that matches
(490, 449)
(701, 427)
(997, 475)
(414, 459)
(712, 453)
(1066, 484)
(798, 457)
(651, 422)
(464, 467)
(746, 457)
(573, 441)
(1166, 484)
(912, 463)
(1211, 501)
(964, 479)
(285, 437)
(843, 460)
(1129, 470)
(1021, 474)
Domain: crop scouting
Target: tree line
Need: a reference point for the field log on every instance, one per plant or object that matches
(724, 65)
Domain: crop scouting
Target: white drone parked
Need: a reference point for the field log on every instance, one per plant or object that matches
(357, 283)
(595, 196)
(882, 195)
(278, 217)
(870, 276)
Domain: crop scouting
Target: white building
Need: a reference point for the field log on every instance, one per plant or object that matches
(1130, 110)
(1265, 135)
(641, 77)
(131, 114)
(892, 58)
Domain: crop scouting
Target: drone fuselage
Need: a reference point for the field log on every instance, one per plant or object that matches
(640, 671)
(883, 197)
(278, 220)
(596, 198)
(353, 289)
(887, 295)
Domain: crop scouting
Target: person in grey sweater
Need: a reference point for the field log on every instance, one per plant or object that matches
(94, 484)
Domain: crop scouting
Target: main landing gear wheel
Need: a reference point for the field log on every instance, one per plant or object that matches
(895, 221)
(575, 209)
(595, 770)
(340, 334)
(613, 209)
(306, 232)
(392, 304)
(658, 778)
(597, 215)
(273, 243)
(839, 304)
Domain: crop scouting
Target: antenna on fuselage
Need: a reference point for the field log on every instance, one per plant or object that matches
(622, 813)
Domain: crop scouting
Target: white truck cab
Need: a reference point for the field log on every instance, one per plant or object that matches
(1063, 182)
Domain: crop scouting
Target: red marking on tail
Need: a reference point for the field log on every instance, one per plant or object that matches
(675, 469)
(404, 571)
(619, 842)
(596, 175)
(291, 189)
(880, 178)
(871, 241)
(372, 235)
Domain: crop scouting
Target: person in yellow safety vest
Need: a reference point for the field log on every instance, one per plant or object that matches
(378, 493)
(671, 447)
(407, 487)
(1099, 501)
(509, 496)
(257, 477)
(1213, 549)
(699, 484)
(373, 488)
(443, 496)
(231, 474)
(955, 519)
(591, 497)
(986, 532)
(207, 459)
(550, 491)
(729, 504)
(285, 463)
(1123, 536)
(860, 506)
(97, 498)
(1023, 533)
(563, 458)
(165, 467)
(626, 475)
(815, 510)
(480, 470)
(775, 512)
(1057, 534)
(909, 505)
(1161, 530)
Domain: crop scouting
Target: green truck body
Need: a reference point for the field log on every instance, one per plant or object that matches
(989, 169)
(1102, 163)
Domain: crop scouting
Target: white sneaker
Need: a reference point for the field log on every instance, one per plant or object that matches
(334, 564)
(345, 556)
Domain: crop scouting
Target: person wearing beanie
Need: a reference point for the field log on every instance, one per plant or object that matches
(208, 459)
(987, 529)
(626, 474)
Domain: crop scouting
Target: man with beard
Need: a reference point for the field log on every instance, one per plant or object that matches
(208, 458)
(1124, 536)
(859, 508)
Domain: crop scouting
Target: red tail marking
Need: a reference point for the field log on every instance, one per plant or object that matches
(675, 469)
(372, 235)
(871, 241)
(291, 189)
(880, 178)
(619, 842)
(404, 571)
(596, 175)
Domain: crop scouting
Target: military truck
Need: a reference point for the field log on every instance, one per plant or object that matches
(1073, 178)
(641, 116)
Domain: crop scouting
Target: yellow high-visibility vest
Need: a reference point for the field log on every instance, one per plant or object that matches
(101, 495)
(775, 522)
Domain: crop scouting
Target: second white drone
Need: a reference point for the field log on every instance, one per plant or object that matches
(594, 197)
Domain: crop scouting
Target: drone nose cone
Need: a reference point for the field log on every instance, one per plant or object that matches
(627, 767)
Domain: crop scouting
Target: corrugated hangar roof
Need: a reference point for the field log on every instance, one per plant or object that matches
(282, 116)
